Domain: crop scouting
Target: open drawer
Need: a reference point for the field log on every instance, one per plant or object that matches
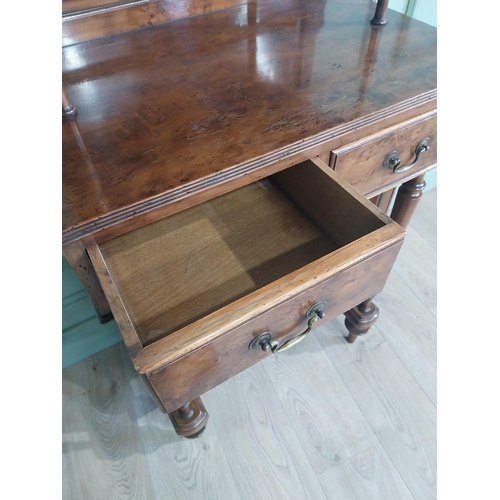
(192, 291)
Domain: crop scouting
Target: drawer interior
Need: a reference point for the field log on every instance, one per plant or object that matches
(177, 270)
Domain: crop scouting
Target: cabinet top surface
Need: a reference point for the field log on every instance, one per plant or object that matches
(180, 106)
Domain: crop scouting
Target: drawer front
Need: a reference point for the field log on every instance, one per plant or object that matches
(347, 260)
(361, 163)
(207, 367)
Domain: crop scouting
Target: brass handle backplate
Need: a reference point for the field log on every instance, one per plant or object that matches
(266, 342)
(393, 161)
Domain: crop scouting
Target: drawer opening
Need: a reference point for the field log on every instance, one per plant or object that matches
(177, 270)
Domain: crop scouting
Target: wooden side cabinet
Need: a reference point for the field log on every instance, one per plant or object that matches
(217, 171)
(203, 294)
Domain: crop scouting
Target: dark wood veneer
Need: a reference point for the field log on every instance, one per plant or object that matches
(379, 18)
(216, 361)
(85, 20)
(169, 112)
(176, 109)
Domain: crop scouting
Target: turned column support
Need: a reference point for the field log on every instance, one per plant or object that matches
(190, 419)
(407, 199)
(69, 111)
(380, 11)
(360, 319)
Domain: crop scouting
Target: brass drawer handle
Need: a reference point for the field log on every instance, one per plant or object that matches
(392, 160)
(266, 342)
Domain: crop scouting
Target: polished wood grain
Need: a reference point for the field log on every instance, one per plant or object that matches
(384, 200)
(71, 6)
(379, 17)
(371, 233)
(330, 201)
(191, 337)
(127, 327)
(184, 267)
(190, 419)
(406, 201)
(146, 137)
(202, 369)
(97, 21)
(361, 162)
(99, 232)
(360, 319)
(141, 163)
(79, 260)
(191, 291)
(69, 112)
(153, 394)
(325, 157)
(250, 425)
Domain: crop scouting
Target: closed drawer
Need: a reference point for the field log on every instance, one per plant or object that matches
(361, 163)
(190, 292)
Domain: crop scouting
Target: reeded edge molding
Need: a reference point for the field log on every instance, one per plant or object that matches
(77, 14)
(88, 228)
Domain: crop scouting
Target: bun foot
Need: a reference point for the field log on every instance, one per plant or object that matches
(190, 420)
(69, 111)
(360, 319)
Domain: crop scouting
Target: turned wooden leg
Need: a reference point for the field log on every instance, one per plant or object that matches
(191, 419)
(360, 319)
(69, 111)
(380, 11)
(407, 199)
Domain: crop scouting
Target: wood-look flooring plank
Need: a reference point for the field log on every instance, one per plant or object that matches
(369, 475)
(417, 266)
(408, 303)
(180, 468)
(424, 220)
(254, 430)
(334, 486)
(411, 330)
(66, 483)
(101, 444)
(401, 415)
(325, 418)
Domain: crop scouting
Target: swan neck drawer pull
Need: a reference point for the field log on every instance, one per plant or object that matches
(393, 161)
(266, 342)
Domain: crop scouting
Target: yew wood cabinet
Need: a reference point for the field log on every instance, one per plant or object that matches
(232, 180)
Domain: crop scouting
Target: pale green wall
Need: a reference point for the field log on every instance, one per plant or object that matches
(82, 333)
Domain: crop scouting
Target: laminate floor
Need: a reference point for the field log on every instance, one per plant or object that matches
(325, 420)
